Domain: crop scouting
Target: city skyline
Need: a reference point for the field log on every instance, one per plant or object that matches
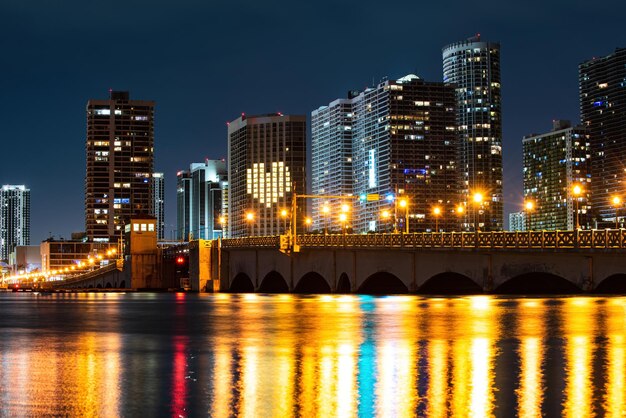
(199, 82)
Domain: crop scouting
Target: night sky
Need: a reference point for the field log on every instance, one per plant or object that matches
(205, 62)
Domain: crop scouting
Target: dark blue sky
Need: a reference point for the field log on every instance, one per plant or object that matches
(205, 62)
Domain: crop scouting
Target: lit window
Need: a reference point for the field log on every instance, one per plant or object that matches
(135, 227)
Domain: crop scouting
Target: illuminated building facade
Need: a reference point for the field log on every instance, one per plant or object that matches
(120, 164)
(158, 187)
(201, 197)
(14, 218)
(554, 163)
(404, 147)
(266, 165)
(331, 159)
(473, 67)
(602, 83)
(517, 221)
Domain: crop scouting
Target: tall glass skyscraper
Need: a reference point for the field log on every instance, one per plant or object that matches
(403, 148)
(14, 218)
(603, 112)
(201, 200)
(473, 67)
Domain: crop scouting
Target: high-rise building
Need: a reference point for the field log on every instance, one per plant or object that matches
(331, 158)
(158, 189)
(120, 163)
(404, 149)
(603, 112)
(554, 163)
(201, 197)
(266, 165)
(14, 218)
(473, 67)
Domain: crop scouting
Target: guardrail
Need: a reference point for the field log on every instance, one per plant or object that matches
(597, 238)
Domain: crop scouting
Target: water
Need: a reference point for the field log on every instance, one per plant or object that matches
(327, 356)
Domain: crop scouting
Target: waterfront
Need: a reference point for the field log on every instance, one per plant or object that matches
(108, 354)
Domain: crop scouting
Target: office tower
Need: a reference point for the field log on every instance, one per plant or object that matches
(14, 218)
(266, 165)
(554, 163)
(473, 67)
(331, 158)
(201, 195)
(517, 221)
(120, 160)
(603, 112)
(404, 147)
(158, 189)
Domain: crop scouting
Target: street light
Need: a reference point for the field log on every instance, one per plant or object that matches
(577, 190)
(325, 211)
(529, 206)
(616, 202)
(403, 203)
(308, 221)
(385, 215)
(250, 220)
(437, 212)
(222, 221)
(478, 199)
(343, 217)
(460, 210)
(284, 214)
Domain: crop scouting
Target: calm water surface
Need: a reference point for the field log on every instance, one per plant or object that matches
(328, 356)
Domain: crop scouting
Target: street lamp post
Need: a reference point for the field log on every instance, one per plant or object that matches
(616, 202)
(577, 190)
(460, 210)
(478, 200)
(222, 221)
(385, 215)
(405, 205)
(325, 211)
(436, 213)
(529, 206)
(284, 214)
(250, 220)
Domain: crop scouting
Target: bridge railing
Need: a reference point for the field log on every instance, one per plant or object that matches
(86, 276)
(597, 238)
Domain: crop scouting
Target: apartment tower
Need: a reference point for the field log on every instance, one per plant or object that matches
(120, 164)
(602, 84)
(14, 218)
(473, 68)
(266, 165)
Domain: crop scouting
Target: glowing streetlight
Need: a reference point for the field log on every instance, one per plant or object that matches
(529, 205)
(478, 200)
(436, 213)
(577, 190)
(403, 203)
(308, 221)
(250, 220)
(616, 202)
(325, 211)
(284, 213)
(222, 221)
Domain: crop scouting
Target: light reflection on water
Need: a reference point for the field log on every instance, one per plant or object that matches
(283, 355)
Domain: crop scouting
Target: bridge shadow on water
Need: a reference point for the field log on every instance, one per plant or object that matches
(448, 283)
(537, 284)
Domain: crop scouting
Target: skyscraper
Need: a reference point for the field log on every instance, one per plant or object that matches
(266, 165)
(120, 163)
(331, 157)
(201, 195)
(158, 188)
(14, 218)
(473, 67)
(603, 112)
(404, 148)
(554, 163)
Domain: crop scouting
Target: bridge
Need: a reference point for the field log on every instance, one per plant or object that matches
(534, 262)
(431, 263)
